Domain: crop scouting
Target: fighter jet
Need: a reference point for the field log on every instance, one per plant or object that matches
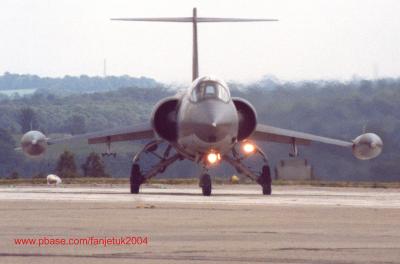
(206, 125)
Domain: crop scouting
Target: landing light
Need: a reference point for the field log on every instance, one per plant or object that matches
(213, 157)
(248, 148)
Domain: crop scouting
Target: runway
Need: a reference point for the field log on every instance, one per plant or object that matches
(235, 225)
(222, 195)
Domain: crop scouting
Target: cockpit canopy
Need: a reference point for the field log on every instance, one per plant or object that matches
(206, 88)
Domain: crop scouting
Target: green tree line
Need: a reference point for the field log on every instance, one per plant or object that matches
(330, 108)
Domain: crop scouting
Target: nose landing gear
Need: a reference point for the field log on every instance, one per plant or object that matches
(205, 184)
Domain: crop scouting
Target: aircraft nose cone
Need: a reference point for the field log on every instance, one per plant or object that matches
(213, 122)
(211, 132)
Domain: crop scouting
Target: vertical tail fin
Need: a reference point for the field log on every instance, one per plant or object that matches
(195, 59)
(194, 20)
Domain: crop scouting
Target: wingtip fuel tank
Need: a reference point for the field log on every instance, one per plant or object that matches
(367, 146)
(34, 143)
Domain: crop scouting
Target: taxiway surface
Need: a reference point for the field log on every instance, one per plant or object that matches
(235, 225)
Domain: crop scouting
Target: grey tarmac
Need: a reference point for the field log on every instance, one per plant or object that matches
(237, 224)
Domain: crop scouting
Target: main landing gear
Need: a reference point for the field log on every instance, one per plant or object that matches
(161, 151)
(263, 178)
(136, 178)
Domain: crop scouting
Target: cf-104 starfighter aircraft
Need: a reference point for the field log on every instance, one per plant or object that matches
(206, 125)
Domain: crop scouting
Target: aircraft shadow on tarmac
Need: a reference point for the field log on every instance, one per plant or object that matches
(200, 194)
(181, 193)
(161, 193)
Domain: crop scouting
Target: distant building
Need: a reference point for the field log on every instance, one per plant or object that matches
(294, 169)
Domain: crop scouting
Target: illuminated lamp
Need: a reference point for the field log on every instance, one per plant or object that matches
(248, 148)
(213, 157)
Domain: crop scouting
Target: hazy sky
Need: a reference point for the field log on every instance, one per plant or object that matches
(313, 40)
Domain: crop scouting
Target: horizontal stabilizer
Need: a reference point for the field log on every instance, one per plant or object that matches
(198, 19)
(194, 20)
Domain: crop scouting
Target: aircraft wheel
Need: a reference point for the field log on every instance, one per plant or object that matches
(267, 190)
(265, 180)
(205, 184)
(135, 188)
(136, 178)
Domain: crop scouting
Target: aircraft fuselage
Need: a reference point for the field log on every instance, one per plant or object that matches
(207, 118)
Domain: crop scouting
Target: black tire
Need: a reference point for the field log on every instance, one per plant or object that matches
(135, 188)
(205, 183)
(136, 178)
(265, 180)
(267, 190)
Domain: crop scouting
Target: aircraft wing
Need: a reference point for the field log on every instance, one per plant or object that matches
(280, 135)
(135, 132)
